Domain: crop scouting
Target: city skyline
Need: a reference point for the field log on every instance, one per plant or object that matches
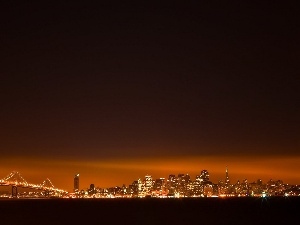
(118, 173)
(115, 91)
(173, 186)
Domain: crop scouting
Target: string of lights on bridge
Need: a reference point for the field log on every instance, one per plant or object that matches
(16, 180)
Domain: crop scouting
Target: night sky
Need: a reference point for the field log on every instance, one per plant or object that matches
(115, 91)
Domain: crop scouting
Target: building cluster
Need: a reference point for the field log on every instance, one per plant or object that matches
(183, 186)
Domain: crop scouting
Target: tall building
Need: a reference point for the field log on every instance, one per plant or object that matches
(159, 184)
(227, 181)
(76, 183)
(92, 189)
(204, 176)
(171, 184)
(204, 185)
(134, 188)
(148, 183)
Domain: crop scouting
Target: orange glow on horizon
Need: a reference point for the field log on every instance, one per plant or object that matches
(110, 173)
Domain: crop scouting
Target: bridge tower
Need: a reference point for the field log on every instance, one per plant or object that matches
(46, 193)
(14, 191)
(48, 187)
(15, 179)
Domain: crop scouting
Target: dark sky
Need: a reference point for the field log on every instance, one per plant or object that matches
(149, 79)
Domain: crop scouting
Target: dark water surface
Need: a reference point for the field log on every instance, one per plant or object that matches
(276, 210)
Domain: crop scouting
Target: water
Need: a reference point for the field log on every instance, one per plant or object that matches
(275, 210)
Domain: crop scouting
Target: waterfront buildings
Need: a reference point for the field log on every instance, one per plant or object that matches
(175, 186)
(182, 185)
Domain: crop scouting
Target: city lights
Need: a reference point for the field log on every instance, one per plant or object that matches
(180, 186)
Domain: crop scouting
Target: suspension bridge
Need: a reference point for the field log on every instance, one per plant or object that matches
(15, 180)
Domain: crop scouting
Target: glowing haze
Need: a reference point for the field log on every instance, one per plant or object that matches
(110, 173)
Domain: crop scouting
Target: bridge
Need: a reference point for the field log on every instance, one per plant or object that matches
(15, 180)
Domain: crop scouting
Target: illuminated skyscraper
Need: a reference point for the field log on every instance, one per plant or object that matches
(76, 183)
(204, 176)
(148, 183)
(159, 184)
(171, 184)
(140, 185)
(227, 181)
